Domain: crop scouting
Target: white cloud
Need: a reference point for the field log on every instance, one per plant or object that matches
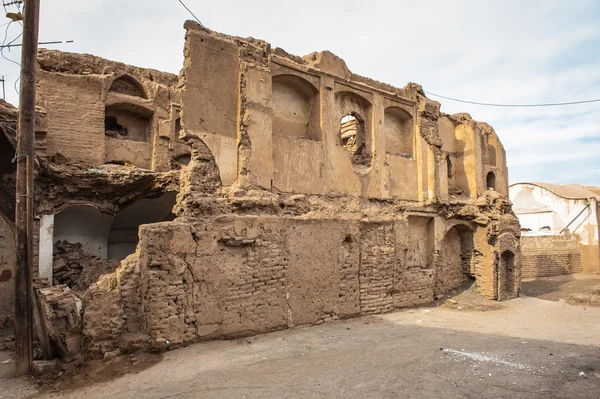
(505, 52)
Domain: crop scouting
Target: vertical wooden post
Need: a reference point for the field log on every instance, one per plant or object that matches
(24, 192)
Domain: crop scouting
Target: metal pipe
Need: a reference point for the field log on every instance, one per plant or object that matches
(587, 205)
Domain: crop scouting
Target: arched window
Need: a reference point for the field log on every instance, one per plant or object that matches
(350, 134)
(398, 128)
(352, 138)
(295, 105)
(354, 128)
(491, 181)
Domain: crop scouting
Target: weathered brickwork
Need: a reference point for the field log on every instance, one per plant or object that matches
(258, 293)
(550, 255)
(376, 268)
(550, 263)
(453, 262)
(413, 287)
(349, 260)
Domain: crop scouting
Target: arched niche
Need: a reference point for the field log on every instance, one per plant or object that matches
(126, 84)
(398, 128)
(295, 105)
(86, 225)
(123, 236)
(506, 276)
(490, 181)
(456, 261)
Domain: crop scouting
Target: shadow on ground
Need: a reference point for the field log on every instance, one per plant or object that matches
(365, 358)
(576, 289)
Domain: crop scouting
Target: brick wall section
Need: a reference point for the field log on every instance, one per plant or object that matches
(376, 268)
(550, 263)
(413, 287)
(256, 297)
(552, 255)
(349, 259)
(245, 275)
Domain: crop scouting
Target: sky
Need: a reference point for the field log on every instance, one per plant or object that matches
(509, 52)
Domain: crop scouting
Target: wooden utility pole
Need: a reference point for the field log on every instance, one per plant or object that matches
(24, 192)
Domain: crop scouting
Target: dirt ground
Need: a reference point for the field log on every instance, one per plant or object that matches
(576, 289)
(524, 348)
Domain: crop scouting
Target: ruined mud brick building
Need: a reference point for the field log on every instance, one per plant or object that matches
(256, 191)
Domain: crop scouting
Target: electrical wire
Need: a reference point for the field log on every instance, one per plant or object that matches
(3, 44)
(190, 11)
(514, 105)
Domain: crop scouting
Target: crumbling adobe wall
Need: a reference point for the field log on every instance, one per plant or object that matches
(75, 268)
(61, 312)
(100, 111)
(240, 275)
(278, 224)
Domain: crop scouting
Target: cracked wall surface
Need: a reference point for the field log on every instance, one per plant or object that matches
(277, 223)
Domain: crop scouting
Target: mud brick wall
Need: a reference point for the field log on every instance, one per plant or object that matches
(376, 268)
(349, 260)
(243, 275)
(545, 256)
(256, 297)
(413, 287)
(544, 263)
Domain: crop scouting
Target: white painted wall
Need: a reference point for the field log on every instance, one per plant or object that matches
(536, 207)
(46, 248)
(86, 225)
(535, 222)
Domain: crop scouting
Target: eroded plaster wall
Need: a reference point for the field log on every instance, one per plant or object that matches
(242, 275)
(290, 110)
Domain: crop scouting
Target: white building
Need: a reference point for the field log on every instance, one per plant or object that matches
(559, 212)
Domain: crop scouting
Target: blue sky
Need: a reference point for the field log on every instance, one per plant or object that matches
(490, 51)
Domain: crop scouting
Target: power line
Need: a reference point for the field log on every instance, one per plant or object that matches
(513, 105)
(9, 45)
(190, 11)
